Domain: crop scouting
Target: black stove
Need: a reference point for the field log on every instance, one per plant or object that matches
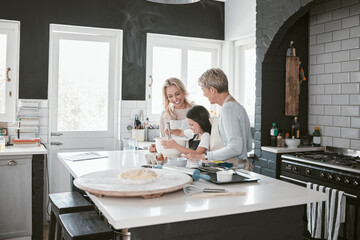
(334, 168)
(331, 159)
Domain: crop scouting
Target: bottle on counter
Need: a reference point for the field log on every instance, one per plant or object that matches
(316, 137)
(2, 143)
(295, 128)
(280, 139)
(273, 135)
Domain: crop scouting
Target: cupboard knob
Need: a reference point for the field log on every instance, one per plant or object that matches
(12, 163)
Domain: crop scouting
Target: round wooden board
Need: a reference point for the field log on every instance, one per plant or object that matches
(107, 183)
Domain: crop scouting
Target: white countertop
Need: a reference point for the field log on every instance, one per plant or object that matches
(12, 150)
(290, 150)
(267, 193)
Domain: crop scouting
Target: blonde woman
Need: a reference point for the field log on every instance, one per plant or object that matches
(176, 105)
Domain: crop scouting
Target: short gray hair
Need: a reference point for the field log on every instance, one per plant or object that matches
(214, 77)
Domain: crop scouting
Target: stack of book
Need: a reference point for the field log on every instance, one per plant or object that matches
(27, 124)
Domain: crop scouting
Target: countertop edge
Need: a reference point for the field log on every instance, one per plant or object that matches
(290, 150)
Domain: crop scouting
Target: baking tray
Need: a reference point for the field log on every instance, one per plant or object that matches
(237, 178)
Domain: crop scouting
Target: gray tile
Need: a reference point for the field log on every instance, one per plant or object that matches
(333, 89)
(349, 66)
(355, 122)
(350, 88)
(355, 32)
(312, 120)
(355, 144)
(313, 60)
(332, 67)
(333, 25)
(341, 77)
(349, 133)
(350, 21)
(332, 110)
(355, 10)
(317, 9)
(355, 54)
(341, 143)
(349, 110)
(325, 120)
(341, 34)
(355, 99)
(326, 141)
(316, 89)
(342, 121)
(348, 3)
(323, 99)
(349, 43)
(324, 37)
(341, 13)
(324, 58)
(317, 29)
(355, 77)
(329, 47)
(320, 48)
(317, 69)
(312, 20)
(341, 56)
(324, 17)
(316, 110)
(340, 99)
(332, 131)
(312, 40)
(324, 78)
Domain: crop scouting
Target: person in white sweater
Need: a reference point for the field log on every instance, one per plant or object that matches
(234, 124)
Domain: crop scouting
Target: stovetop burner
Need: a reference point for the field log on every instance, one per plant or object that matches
(331, 158)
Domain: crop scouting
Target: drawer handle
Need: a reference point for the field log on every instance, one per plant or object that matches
(12, 163)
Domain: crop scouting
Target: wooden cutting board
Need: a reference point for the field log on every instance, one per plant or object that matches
(108, 183)
(292, 86)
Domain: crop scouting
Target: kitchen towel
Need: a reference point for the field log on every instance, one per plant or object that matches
(334, 208)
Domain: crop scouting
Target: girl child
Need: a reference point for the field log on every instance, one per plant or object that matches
(199, 132)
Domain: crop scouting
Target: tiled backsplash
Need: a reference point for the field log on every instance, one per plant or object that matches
(334, 82)
(128, 111)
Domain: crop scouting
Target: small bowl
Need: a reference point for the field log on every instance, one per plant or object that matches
(177, 161)
(224, 176)
(292, 143)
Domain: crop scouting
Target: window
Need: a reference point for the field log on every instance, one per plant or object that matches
(180, 57)
(244, 84)
(9, 61)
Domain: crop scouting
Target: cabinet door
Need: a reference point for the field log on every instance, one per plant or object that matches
(15, 196)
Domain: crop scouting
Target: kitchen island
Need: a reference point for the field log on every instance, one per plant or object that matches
(271, 209)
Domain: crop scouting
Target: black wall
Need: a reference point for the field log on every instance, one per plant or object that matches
(204, 19)
(273, 81)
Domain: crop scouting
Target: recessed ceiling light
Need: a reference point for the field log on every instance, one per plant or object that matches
(174, 1)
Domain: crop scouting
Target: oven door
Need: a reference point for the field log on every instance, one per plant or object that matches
(299, 174)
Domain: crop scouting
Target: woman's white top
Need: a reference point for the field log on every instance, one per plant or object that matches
(235, 133)
(204, 139)
(179, 123)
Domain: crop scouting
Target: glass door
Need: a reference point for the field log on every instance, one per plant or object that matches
(85, 67)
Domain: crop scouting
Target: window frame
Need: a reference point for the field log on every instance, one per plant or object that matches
(12, 29)
(185, 44)
(239, 45)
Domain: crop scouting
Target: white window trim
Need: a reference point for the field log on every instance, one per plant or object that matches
(187, 43)
(13, 62)
(115, 107)
(238, 86)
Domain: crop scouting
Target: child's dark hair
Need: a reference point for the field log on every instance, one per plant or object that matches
(200, 115)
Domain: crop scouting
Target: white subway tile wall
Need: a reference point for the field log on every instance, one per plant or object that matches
(334, 77)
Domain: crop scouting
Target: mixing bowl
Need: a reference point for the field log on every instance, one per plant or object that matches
(292, 142)
(169, 152)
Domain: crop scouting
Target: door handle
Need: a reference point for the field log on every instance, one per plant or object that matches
(56, 143)
(7, 74)
(56, 134)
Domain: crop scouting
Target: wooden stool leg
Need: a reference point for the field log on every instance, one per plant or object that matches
(52, 226)
(58, 230)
